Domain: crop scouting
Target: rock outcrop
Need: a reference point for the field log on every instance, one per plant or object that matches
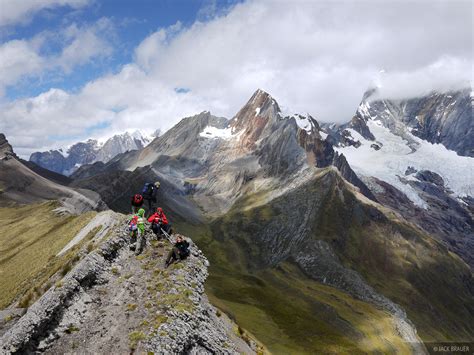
(6, 150)
(112, 301)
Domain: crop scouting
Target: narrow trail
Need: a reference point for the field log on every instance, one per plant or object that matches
(101, 319)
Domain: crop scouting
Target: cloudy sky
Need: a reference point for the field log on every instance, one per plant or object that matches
(74, 69)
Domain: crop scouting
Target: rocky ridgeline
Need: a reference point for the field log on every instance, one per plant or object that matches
(6, 150)
(113, 301)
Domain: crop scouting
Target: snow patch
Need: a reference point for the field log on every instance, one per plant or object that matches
(391, 161)
(363, 109)
(257, 111)
(214, 132)
(64, 152)
(356, 136)
(303, 122)
(323, 135)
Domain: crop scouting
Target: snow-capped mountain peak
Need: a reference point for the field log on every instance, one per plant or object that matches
(387, 137)
(67, 160)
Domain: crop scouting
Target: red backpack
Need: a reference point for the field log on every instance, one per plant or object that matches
(137, 199)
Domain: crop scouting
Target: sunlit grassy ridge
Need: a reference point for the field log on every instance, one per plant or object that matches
(291, 313)
(30, 237)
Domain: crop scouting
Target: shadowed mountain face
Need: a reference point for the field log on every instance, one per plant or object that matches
(287, 213)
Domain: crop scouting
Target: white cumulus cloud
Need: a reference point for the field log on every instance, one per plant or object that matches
(316, 57)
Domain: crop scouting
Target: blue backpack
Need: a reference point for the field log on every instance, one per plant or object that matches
(149, 190)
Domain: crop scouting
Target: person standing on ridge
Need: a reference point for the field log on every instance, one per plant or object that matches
(149, 193)
(158, 222)
(137, 229)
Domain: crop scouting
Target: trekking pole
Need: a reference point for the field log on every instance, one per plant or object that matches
(166, 235)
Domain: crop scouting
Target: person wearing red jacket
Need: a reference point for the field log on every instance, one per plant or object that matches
(159, 221)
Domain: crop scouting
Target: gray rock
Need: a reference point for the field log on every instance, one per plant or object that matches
(410, 170)
(429, 176)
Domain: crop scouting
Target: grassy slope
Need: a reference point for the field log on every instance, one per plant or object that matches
(433, 285)
(30, 237)
(290, 313)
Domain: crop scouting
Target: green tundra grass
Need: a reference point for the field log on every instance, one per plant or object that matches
(30, 237)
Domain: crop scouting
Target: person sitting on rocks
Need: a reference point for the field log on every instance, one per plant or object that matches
(159, 223)
(180, 251)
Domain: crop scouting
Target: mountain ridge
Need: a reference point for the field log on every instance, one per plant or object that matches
(91, 151)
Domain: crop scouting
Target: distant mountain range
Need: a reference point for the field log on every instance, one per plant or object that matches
(66, 161)
(23, 182)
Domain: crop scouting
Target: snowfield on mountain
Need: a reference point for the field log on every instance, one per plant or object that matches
(391, 162)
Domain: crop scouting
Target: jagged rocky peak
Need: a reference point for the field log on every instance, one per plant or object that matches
(6, 150)
(252, 119)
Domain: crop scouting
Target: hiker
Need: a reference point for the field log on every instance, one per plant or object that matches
(137, 231)
(137, 202)
(149, 193)
(180, 251)
(159, 222)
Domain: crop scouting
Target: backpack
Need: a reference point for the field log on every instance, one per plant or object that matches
(137, 199)
(133, 224)
(147, 189)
